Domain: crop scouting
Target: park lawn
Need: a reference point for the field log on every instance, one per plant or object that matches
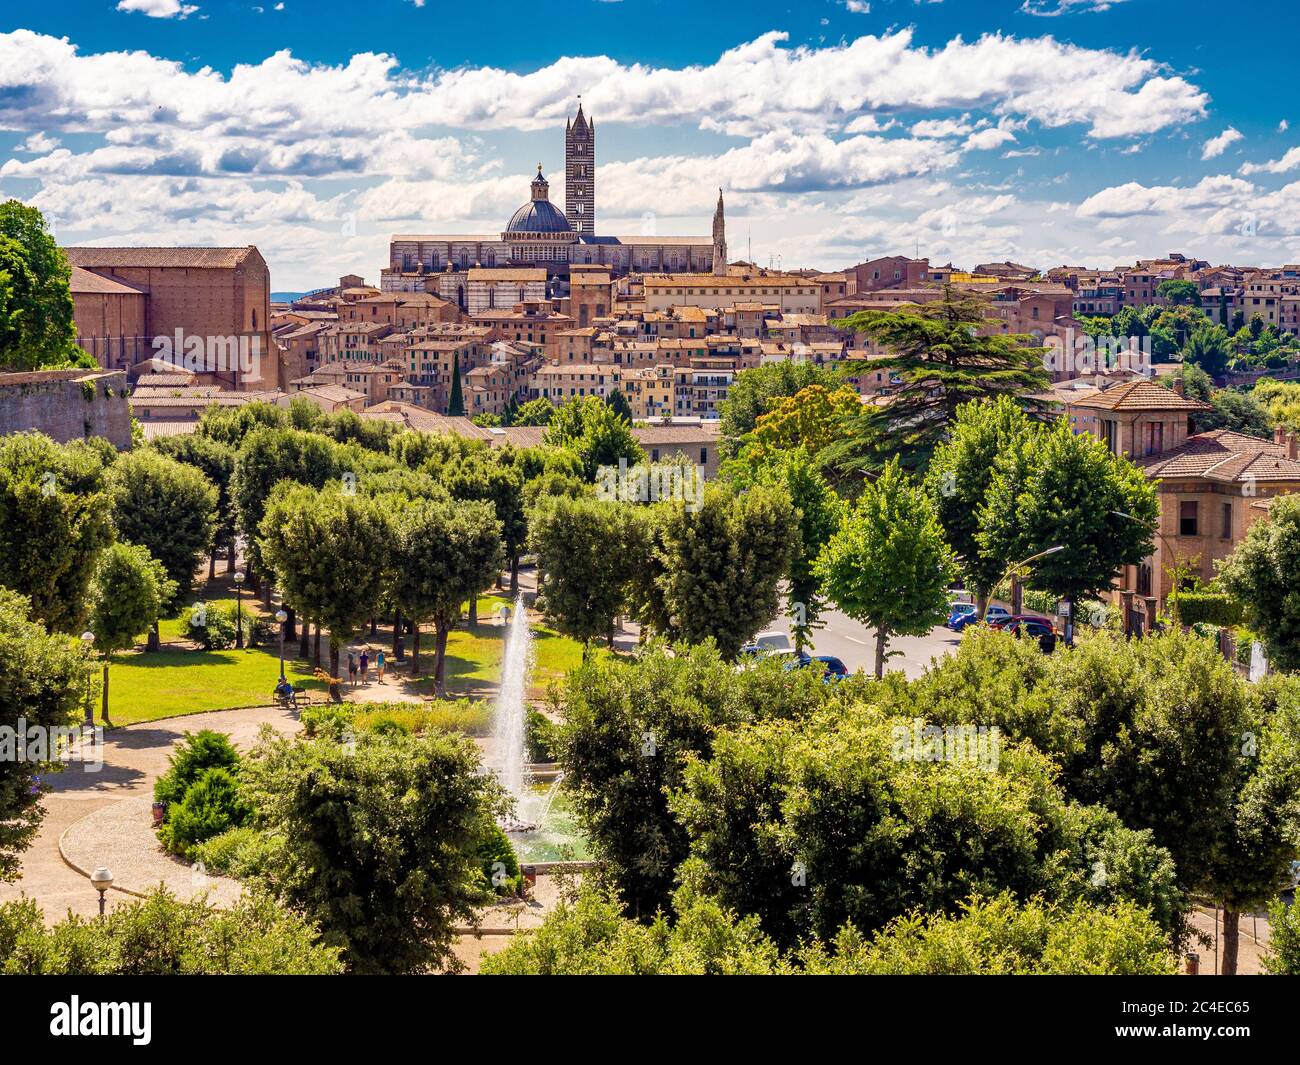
(144, 686)
(474, 658)
(171, 630)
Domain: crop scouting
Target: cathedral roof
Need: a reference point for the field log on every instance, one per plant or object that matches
(538, 216)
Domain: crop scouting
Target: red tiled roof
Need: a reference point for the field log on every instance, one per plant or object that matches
(202, 258)
(1141, 395)
(1225, 456)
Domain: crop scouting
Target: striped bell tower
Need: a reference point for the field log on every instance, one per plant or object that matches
(580, 173)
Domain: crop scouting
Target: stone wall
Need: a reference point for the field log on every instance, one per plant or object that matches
(67, 405)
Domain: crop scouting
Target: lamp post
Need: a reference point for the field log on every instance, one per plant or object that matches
(281, 616)
(87, 639)
(1164, 540)
(1015, 567)
(239, 611)
(103, 880)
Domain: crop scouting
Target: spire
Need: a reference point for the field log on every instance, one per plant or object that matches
(719, 238)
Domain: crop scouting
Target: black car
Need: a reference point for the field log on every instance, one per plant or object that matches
(1035, 627)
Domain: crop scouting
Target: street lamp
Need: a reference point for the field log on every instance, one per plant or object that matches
(239, 611)
(103, 880)
(281, 616)
(1015, 567)
(88, 638)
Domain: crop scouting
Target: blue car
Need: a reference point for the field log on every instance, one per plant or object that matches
(959, 615)
(993, 614)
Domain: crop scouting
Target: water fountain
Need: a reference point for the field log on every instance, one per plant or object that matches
(542, 826)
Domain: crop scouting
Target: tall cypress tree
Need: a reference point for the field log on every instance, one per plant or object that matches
(456, 405)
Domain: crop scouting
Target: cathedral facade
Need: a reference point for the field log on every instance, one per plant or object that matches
(540, 235)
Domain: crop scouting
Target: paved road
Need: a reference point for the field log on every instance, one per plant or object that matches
(855, 644)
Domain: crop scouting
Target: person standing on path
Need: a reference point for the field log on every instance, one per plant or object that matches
(379, 665)
(365, 665)
(352, 670)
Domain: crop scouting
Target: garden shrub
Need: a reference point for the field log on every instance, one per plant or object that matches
(239, 852)
(197, 752)
(160, 935)
(212, 626)
(1208, 607)
(328, 719)
(499, 863)
(543, 737)
(212, 804)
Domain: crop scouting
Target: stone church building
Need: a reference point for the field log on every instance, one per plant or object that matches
(541, 237)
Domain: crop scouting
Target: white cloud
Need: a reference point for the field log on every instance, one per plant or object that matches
(1276, 166)
(858, 7)
(1216, 146)
(1053, 8)
(763, 85)
(844, 150)
(39, 143)
(158, 8)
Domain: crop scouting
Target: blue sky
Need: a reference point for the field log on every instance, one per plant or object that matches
(1047, 131)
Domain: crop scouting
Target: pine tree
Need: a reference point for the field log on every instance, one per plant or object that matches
(943, 362)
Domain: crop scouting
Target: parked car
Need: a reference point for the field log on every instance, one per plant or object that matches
(992, 616)
(832, 667)
(959, 611)
(1031, 625)
(768, 643)
(835, 669)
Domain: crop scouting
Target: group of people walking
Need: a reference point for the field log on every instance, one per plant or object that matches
(361, 664)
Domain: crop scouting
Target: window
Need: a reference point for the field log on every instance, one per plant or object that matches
(1187, 515)
(704, 456)
(1227, 522)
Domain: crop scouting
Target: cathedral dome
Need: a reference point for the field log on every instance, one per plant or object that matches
(539, 215)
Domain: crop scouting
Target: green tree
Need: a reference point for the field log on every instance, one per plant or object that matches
(55, 517)
(216, 461)
(999, 937)
(267, 456)
(1263, 573)
(595, 432)
(819, 512)
(985, 438)
(1098, 507)
(456, 403)
(36, 326)
(630, 728)
(753, 391)
(1209, 348)
(943, 361)
(618, 403)
(1179, 293)
(588, 549)
(935, 815)
(329, 552)
(1283, 955)
(534, 412)
(127, 596)
(445, 553)
(380, 840)
(168, 507)
(44, 681)
(493, 479)
(715, 567)
(888, 565)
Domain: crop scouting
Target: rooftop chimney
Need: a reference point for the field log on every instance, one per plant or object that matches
(1180, 386)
